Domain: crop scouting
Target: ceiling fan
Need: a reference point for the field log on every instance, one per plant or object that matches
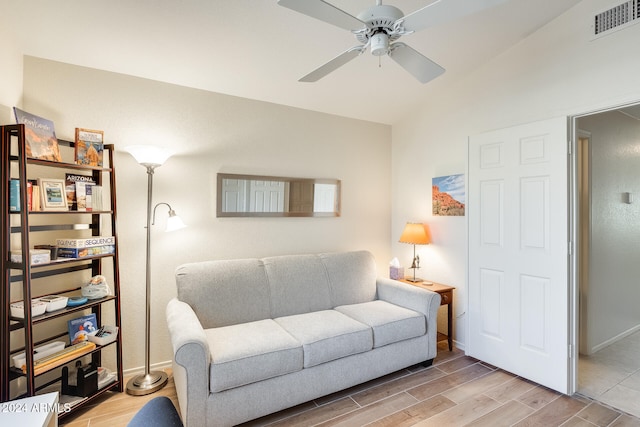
(379, 27)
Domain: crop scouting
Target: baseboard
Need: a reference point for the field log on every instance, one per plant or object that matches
(613, 340)
(140, 370)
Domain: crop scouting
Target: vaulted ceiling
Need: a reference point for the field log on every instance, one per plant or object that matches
(257, 49)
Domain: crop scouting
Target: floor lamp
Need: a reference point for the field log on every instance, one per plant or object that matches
(151, 158)
(415, 234)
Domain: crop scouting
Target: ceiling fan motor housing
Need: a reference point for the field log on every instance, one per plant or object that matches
(380, 20)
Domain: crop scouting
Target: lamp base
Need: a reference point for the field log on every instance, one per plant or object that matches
(147, 384)
(413, 279)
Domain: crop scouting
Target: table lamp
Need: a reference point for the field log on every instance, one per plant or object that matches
(415, 234)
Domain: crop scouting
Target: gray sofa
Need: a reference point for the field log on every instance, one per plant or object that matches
(255, 336)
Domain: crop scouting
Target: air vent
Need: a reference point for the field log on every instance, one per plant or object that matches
(616, 17)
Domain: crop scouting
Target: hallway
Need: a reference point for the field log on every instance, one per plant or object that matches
(612, 375)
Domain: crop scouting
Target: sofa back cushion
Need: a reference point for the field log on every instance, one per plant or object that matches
(224, 293)
(299, 284)
(352, 277)
(229, 292)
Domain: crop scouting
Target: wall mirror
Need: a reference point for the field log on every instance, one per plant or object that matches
(274, 196)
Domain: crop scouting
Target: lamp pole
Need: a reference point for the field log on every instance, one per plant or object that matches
(150, 382)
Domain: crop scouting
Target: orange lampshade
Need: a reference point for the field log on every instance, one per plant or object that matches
(416, 234)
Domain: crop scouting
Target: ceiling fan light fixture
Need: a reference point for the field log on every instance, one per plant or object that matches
(379, 44)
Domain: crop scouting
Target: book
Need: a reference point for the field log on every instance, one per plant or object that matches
(89, 147)
(86, 242)
(86, 252)
(30, 195)
(75, 190)
(81, 196)
(40, 136)
(14, 195)
(96, 198)
(81, 327)
(35, 198)
(88, 198)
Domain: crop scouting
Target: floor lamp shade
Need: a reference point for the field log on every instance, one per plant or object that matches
(148, 155)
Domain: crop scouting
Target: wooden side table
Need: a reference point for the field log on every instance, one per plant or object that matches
(446, 298)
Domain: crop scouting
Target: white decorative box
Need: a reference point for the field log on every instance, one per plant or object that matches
(37, 256)
(54, 302)
(108, 334)
(37, 308)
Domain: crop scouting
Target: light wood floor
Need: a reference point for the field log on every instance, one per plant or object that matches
(456, 391)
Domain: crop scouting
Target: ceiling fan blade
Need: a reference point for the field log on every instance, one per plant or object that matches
(421, 67)
(442, 11)
(324, 11)
(333, 65)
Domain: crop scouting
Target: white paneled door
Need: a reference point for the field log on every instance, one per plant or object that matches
(518, 251)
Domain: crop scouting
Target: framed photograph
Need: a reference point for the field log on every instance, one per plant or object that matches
(52, 194)
(448, 195)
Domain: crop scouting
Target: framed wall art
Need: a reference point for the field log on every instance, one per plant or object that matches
(448, 195)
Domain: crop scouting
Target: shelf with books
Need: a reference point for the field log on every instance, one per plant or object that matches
(74, 354)
(23, 281)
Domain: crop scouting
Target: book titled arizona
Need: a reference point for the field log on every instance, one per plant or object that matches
(89, 147)
(40, 136)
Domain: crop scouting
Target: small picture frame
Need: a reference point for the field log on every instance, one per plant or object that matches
(52, 194)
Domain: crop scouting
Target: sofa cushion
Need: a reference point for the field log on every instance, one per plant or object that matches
(225, 292)
(250, 352)
(327, 335)
(298, 284)
(390, 323)
(352, 277)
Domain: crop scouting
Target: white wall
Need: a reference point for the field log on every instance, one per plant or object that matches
(10, 71)
(556, 71)
(610, 301)
(214, 133)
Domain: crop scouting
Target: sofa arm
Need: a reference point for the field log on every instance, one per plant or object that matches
(408, 296)
(414, 298)
(191, 353)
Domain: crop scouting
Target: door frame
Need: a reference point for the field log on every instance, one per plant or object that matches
(574, 238)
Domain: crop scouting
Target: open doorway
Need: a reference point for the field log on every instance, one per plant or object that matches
(608, 181)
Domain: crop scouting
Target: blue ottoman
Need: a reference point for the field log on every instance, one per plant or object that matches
(159, 411)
